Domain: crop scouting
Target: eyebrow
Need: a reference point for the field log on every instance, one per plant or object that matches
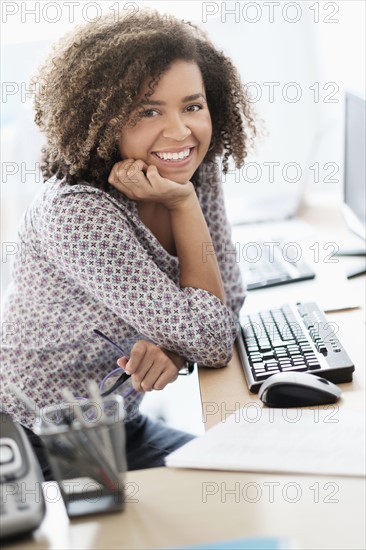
(184, 99)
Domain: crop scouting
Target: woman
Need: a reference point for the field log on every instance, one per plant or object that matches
(129, 234)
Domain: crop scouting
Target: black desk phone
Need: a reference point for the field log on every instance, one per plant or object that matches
(22, 505)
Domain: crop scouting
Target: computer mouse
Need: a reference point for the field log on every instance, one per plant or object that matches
(297, 389)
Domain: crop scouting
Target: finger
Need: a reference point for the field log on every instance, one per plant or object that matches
(137, 355)
(119, 171)
(131, 174)
(144, 356)
(128, 170)
(122, 362)
(147, 373)
(152, 376)
(140, 374)
(135, 188)
(167, 376)
(137, 166)
(152, 173)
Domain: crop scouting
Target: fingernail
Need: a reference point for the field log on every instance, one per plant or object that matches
(127, 369)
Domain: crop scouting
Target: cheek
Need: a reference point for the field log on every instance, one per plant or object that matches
(122, 144)
(135, 142)
(206, 126)
(128, 143)
(205, 130)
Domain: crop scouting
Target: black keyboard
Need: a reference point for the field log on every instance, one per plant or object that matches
(291, 338)
(274, 262)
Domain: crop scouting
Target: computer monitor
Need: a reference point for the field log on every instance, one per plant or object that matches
(354, 207)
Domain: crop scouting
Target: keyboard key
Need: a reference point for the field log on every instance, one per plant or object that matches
(262, 376)
(278, 343)
(259, 366)
(265, 348)
(313, 361)
(271, 364)
(252, 348)
(288, 341)
(306, 348)
(256, 372)
(313, 364)
(299, 368)
(285, 361)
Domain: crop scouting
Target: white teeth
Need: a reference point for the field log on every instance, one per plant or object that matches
(174, 156)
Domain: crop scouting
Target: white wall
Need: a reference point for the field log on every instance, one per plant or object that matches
(307, 54)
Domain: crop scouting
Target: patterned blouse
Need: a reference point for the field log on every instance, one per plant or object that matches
(87, 261)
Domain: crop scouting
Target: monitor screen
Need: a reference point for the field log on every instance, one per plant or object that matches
(354, 164)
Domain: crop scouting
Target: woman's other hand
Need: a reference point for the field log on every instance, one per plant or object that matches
(141, 182)
(150, 367)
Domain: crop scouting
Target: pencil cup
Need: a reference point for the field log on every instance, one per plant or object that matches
(85, 445)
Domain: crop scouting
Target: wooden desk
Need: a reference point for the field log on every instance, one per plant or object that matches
(225, 390)
(173, 509)
(169, 508)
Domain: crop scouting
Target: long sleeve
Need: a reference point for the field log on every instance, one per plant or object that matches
(213, 207)
(94, 244)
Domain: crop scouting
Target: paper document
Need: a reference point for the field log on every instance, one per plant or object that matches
(327, 441)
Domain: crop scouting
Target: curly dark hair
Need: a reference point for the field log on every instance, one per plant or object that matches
(89, 87)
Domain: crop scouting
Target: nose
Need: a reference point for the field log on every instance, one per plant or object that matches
(175, 128)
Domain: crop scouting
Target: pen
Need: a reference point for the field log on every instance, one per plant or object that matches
(30, 405)
(88, 444)
(104, 433)
(124, 376)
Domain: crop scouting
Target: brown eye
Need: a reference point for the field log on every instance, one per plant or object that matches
(194, 108)
(148, 113)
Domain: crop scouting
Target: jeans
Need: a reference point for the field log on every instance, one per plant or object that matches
(148, 442)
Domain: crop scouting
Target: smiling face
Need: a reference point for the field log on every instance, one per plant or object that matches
(175, 131)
